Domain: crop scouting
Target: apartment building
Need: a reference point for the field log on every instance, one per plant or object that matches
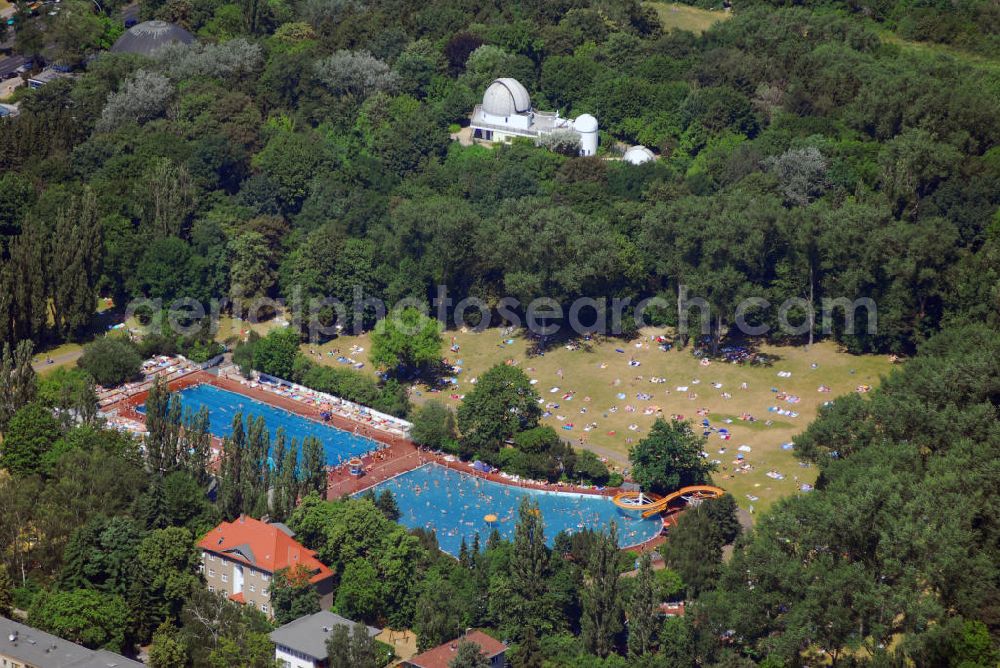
(239, 560)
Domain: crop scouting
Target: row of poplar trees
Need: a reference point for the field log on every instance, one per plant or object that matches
(254, 476)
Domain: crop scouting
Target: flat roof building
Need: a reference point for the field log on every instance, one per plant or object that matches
(22, 646)
(48, 75)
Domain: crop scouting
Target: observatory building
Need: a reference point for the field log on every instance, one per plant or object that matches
(638, 155)
(506, 113)
(146, 38)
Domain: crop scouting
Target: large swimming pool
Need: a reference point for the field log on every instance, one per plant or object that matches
(455, 504)
(222, 405)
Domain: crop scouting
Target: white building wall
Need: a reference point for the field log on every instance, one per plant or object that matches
(288, 658)
(519, 121)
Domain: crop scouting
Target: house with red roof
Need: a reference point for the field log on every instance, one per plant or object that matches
(239, 560)
(442, 655)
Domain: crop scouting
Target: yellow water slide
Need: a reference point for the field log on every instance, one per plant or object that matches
(651, 504)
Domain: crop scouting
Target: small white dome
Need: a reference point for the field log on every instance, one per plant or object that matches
(506, 97)
(585, 123)
(637, 155)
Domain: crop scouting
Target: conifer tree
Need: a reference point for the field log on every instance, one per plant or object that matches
(197, 444)
(288, 486)
(386, 502)
(75, 258)
(29, 296)
(277, 496)
(17, 380)
(641, 611)
(255, 467)
(463, 554)
(313, 467)
(231, 470)
(602, 614)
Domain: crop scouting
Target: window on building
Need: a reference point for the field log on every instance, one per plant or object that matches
(211, 573)
(263, 607)
(264, 591)
(253, 587)
(225, 578)
(211, 588)
(265, 576)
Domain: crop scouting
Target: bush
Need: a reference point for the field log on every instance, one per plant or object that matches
(434, 426)
(590, 468)
(111, 361)
(243, 354)
(276, 353)
(390, 397)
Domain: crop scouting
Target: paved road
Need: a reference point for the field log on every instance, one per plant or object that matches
(614, 456)
(59, 360)
(9, 64)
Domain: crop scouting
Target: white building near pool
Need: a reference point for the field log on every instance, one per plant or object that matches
(506, 113)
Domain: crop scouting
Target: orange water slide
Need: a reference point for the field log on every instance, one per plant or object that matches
(651, 504)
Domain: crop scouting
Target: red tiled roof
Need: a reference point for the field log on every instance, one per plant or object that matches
(239, 598)
(441, 656)
(672, 609)
(263, 546)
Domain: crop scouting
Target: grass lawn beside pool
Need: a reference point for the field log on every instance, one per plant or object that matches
(583, 376)
(685, 17)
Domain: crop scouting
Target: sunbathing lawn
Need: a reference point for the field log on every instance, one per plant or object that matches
(582, 374)
(685, 17)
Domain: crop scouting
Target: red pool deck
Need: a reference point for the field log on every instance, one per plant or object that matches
(398, 455)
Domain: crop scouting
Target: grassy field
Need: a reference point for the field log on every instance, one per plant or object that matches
(685, 17)
(990, 64)
(596, 375)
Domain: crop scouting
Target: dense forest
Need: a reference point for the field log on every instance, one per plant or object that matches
(303, 149)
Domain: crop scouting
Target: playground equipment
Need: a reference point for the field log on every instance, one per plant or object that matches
(651, 504)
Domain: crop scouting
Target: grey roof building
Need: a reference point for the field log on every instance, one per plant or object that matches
(22, 645)
(147, 37)
(303, 641)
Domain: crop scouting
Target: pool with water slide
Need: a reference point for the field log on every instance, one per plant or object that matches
(223, 405)
(455, 505)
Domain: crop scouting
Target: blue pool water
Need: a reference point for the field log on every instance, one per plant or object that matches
(222, 405)
(455, 504)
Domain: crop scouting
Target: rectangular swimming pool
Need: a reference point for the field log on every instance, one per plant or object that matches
(223, 405)
(455, 505)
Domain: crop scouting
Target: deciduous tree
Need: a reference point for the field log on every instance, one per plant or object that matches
(669, 458)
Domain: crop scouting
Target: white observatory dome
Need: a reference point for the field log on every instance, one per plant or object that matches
(585, 123)
(506, 97)
(637, 155)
